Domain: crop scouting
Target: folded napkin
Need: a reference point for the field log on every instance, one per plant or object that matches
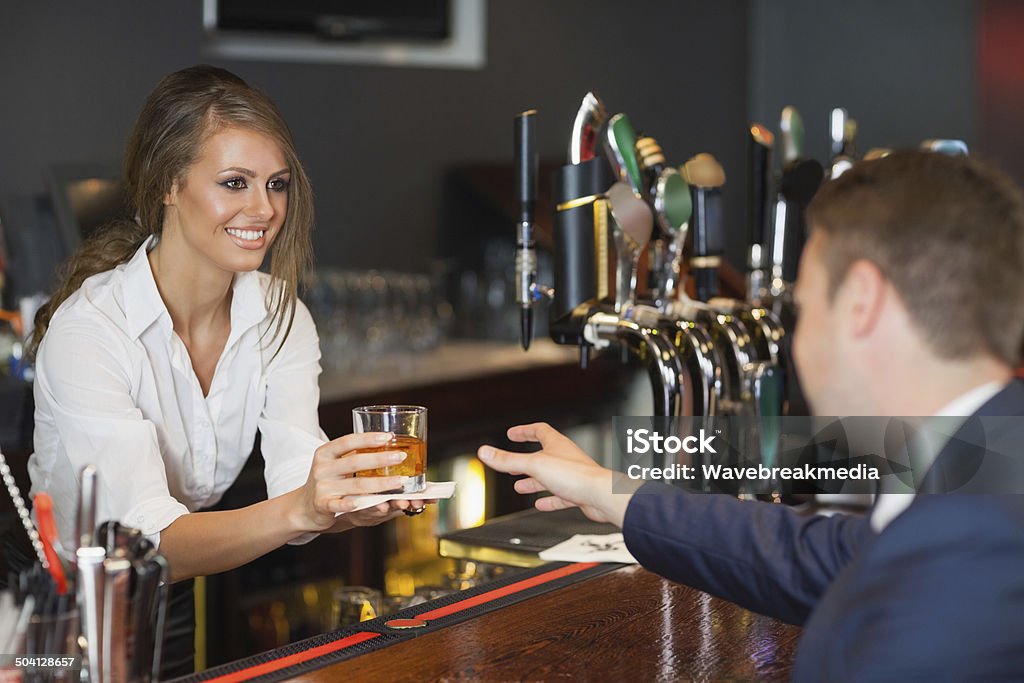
(590, 548)
(435, 489)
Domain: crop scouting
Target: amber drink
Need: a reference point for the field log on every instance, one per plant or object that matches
(408, 424)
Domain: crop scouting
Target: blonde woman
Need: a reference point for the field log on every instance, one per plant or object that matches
(164, 350)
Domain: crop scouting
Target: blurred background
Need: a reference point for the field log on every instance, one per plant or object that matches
(378, 140)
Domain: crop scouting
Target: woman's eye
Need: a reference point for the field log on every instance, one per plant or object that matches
(234, 184)
(278, 185)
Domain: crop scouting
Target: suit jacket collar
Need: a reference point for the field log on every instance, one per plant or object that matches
(982, 457)
(1009, 401)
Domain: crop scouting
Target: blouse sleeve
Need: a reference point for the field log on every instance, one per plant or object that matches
(290, 424)
(83, 378)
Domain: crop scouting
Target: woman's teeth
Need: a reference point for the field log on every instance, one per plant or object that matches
(246, 234)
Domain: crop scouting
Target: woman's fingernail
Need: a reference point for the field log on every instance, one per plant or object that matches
(486, 453)
(382, 438)
(397, 457)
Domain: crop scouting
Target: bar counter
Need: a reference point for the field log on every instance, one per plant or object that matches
(622, 623)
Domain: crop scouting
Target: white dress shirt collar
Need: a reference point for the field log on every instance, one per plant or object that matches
(144, 305)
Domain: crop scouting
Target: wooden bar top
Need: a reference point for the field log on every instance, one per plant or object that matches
(628, 625)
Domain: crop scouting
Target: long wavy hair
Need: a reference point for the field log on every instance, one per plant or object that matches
(182, 112)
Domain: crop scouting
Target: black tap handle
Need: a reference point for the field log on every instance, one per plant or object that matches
(800, 180)
(798, 185)
(526, 163)
(708, 240)
(761, 141)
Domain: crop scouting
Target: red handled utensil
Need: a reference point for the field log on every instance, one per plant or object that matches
(48, 534)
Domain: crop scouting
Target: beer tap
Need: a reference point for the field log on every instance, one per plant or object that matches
(633, 224)
(670, 199)
(586, 128)
(580, 229)
(951, 147)
(760, 143)
(799, 181)
(791, 124)
(837, 130)
(672, 207)
(527, 289)
(745, 336)
(706, 177)
(842, 130)
(620, 142)
(648, 344)
(632, 216)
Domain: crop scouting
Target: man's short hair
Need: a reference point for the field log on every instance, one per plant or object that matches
(948, 232)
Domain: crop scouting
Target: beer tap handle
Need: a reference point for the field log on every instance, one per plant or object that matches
(526, 196)
(799, 182)
(842, 130)
(759, 185)
(837, 131)
(673, 206)
(761, 143)
(652, 162)
(633, 226)
(706, 177)
(792, 126)
(585, 129)
(951, 147)
(620, 141)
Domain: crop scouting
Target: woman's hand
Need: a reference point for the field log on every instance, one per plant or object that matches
(562, 468)
(332, 483)
(385, 511)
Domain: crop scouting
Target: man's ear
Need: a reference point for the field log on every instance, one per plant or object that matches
(862, 297)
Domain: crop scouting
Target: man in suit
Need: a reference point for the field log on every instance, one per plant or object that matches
(911, 303)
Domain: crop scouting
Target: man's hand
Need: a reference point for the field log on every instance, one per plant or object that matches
(572, 477)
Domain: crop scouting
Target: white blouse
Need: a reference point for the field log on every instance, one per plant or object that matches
(115, 387)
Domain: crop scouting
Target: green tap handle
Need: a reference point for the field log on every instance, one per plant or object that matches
(621, 143)
(792, 127)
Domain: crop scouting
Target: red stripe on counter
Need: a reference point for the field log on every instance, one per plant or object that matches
(292, 660)
(506, 590)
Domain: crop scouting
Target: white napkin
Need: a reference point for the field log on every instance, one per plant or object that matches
(590, 548)
(435, 489)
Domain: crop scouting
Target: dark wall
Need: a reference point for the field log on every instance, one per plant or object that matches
(904, 70)
(1001, 84)
(376, 139)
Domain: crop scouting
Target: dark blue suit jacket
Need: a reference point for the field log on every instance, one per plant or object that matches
(938, 595)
